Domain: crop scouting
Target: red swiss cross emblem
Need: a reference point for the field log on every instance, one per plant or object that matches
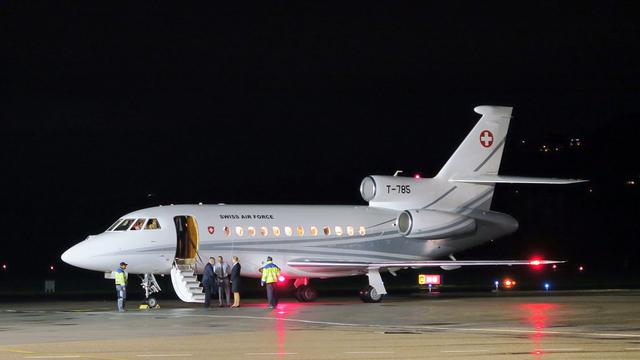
(211, 229)
(486, 138)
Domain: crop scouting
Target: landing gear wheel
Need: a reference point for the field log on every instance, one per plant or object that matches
(152, 302)
(370, 295)
(298, 294)
(306, 293)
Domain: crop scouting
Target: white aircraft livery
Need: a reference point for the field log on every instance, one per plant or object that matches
(409, 223)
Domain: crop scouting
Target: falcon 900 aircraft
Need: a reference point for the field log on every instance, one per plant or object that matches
(409, 223)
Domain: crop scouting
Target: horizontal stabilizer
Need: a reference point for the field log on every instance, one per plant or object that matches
(499, 179)
(416, 264)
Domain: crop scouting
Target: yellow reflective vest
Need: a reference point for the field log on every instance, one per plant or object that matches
(121, 277)
(270, 273)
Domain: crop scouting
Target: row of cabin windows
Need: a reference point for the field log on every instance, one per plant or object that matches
(134, 224)
(299, 231)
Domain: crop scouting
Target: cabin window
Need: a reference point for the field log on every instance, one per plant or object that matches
(152, 224)
(227, 231)
(138, 224)
(326, 230)
(264, 231)
(251, 230)
(314, 231)
(350, 230)
(362, 231)
(288, 231)
(114, 225)
(338, 230)
(124, 225)
(239, 230)
(300, 231)
(276, 231)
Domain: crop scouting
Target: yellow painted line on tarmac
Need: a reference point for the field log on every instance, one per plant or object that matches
(19, 351)
(53, 357)
(88, 310)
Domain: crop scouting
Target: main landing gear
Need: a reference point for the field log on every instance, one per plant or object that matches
(150, 286)
(370, 295)
(304, 292)
(375, 291)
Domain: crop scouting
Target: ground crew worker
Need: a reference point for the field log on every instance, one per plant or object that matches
(270, 274)
(121, 285)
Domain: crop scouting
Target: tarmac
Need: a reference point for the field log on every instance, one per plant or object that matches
(523, 325)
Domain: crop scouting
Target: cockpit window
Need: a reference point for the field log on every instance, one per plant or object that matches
(114, 225)
(124, 225)
(138, 224)
(152, 224)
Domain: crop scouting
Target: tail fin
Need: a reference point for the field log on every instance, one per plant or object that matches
(481, 151)
(466, 182)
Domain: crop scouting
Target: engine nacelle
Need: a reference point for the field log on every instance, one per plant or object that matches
(433, 224)
(381, 188)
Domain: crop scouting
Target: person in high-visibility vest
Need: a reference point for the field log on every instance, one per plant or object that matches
(121, 285)
(270, 273)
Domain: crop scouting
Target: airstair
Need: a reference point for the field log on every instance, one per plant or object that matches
(186, 284)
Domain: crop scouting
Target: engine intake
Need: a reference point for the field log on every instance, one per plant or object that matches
(433, 224)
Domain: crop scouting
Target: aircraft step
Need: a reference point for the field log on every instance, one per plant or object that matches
(186, 284)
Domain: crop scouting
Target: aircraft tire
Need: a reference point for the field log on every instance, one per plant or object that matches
(370, 295)
(152, 302)
(309, 294)
(298, 293)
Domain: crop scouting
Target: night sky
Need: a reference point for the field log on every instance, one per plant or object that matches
(107, 108)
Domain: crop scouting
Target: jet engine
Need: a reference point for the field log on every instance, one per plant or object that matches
(433, 224)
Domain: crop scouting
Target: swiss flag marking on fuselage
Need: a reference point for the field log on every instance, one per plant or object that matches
(486, 138)
(211, 229)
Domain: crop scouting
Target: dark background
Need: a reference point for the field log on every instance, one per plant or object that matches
(107, 108)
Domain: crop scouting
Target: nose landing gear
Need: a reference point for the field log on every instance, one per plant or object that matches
(150, 286)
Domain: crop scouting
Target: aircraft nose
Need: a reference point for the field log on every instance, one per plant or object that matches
(72, 256)
(78, 255)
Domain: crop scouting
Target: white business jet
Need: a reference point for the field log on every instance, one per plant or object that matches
(409, 223)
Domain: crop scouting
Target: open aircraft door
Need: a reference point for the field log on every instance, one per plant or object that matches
(187, 239)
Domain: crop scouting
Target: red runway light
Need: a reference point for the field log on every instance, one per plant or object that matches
(417, 176)
(4, 266)
(51, 268)
(281, 278)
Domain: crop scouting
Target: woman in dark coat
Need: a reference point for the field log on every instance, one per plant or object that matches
(235, 282)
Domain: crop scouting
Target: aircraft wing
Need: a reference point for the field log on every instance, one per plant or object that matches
(343, 265)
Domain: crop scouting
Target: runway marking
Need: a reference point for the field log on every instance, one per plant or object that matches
(464, 351)
(632, 349)
(407, 327)
(369, 352)
(163, 355)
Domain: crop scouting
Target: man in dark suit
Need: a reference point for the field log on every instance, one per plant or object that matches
(209, 282)
(235, 282)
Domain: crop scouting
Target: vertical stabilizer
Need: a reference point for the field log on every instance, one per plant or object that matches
(481, 151)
